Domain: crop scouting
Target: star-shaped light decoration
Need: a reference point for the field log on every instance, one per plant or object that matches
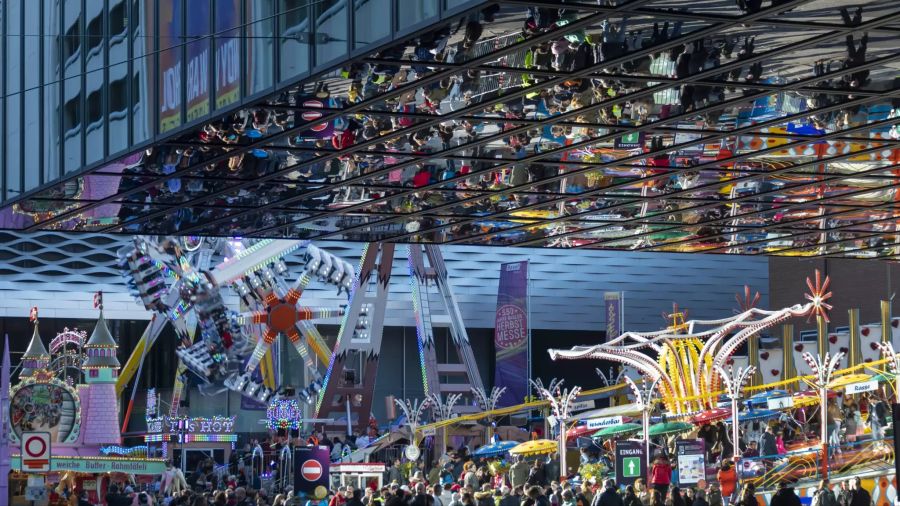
(818, 294)
(746, 303)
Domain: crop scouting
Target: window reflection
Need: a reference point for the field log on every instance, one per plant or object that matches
(412, 12)
(143, 70)
(294, 33)
(369, 21)
(95, 125)
(260, 38)
(72, 123)
(13, 146)
(196, 87)
(170, 64)
(228, 52)
(118, 108)
(331, 30)
(32, 139)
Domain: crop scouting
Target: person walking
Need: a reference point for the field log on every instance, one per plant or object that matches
(727, 477)
(661, 474)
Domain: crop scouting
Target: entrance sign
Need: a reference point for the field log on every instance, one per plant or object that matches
(35, 452)
(691, 455)
(630, 461)
(600, 423)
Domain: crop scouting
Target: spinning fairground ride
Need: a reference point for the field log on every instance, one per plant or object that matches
(185, 284)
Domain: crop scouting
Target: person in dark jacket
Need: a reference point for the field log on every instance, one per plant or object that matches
(858, 495)
(536, 476)
(609, 497)
(700, 498)
(785, 496)
(631, 499)
(356, 498)
(767, 443)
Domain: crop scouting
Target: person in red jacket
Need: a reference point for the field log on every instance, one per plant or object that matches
(661, 474)
(727, 477)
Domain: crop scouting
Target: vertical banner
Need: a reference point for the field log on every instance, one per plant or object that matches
(511, 333)
(615, 314)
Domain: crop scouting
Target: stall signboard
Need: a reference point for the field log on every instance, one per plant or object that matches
(99, 465)
(864, 386)
(780, 402)
(601, 423)
(358, 468)
(631, 460)
(582, 406)
(311, 468)
(691, 455)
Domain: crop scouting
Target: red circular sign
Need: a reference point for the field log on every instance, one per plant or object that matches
(313, 115)
(35, 442)
(311, 470)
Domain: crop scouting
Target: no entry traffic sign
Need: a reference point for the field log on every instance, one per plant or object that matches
(311, 467)
(35, 452)
(311, 470)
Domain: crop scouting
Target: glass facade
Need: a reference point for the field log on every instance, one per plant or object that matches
(86, 81)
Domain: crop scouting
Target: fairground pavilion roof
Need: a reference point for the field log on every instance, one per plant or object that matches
(690, 126)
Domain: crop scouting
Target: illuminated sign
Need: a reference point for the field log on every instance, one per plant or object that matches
(201, 425)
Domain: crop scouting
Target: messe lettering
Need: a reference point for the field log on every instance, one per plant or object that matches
(510, 326)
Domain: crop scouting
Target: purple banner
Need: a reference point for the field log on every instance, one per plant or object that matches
(613, 304)
(511, 333)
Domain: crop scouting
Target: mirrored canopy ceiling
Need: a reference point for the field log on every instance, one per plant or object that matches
(672, 126)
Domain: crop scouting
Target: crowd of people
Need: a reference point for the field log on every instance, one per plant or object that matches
(462, 161)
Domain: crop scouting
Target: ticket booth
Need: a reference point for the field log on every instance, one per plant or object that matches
(359, 475)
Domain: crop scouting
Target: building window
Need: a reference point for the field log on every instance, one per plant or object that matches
(94, 373)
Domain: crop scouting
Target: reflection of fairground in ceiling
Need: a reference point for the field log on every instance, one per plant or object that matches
(711, 126)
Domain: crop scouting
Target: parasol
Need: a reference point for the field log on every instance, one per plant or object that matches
(617, 430)
(755, 414)
(666, 428)
(711, 415)
(579, 431)
(762, 398)
(495, 449)
(535, 447)
(849, 379)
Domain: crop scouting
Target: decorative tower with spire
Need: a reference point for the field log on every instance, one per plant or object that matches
(36, 356)
(99, 401)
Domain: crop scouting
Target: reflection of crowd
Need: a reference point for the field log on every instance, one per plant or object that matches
(39, 409)
(453, 159)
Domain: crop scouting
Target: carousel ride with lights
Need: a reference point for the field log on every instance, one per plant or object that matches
(690, 371)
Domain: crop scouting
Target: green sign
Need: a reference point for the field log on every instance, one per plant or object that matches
(100, 465)
(631, 467)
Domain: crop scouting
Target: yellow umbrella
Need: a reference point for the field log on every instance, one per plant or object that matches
(802, 401)
(535, 447)
(848, 379)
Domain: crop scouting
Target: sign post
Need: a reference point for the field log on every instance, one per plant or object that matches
(630, 461)
(691, 455)
(35, 452)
